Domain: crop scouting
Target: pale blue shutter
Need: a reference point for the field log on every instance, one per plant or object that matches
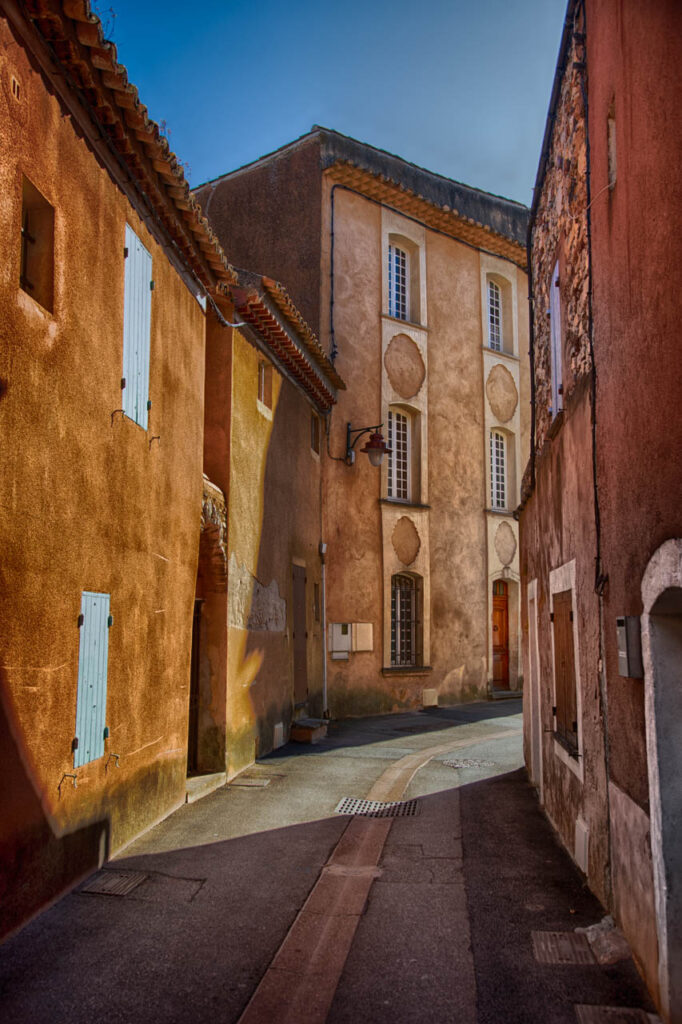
(137, 314)
(91, 701)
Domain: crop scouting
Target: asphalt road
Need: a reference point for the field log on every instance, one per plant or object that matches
(261, 903)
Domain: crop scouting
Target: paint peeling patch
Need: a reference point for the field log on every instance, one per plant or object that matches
(252, 605)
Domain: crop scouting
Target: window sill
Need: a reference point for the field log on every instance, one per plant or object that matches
(404, 323)
(406, 670)
(508, 512)
(571, 758)
(502, 354)
(264, 409)
(402, 504)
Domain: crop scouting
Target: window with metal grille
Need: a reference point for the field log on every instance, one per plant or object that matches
(498, 474)
(36, 273)
(494, 316)
(565, 710)
(399, 439)
(398, 283)
(406, 626)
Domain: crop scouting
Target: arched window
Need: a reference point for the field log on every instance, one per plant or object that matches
(494, 316)
(398, 282)
(498, 470)
(400, 457)
(406, 616)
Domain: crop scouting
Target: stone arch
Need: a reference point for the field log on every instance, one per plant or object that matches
(662, 657)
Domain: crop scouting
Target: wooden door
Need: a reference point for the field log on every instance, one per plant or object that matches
(500, 636)
(193, 728)
(300, 636)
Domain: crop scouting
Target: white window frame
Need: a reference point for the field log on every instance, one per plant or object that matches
(398, 282)
(399, 479)
(560, 579)
(499, 483)
(495, 324)
(556, 342)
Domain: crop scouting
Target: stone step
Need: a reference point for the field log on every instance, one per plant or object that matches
(201, 785)
(308, 730)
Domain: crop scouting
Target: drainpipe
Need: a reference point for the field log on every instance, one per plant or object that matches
(325, 707)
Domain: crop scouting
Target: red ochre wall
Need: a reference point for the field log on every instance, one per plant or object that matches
(88, 502)
(634, 65)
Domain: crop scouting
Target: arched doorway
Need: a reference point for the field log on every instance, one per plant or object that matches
(662, 652)
(500, 635)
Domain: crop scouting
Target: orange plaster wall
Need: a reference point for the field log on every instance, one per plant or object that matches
(88, 503)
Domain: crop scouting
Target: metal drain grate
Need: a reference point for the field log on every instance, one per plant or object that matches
(470, 762)
(377, 809)
(115, 883)
(611, 1015)
(562, 948)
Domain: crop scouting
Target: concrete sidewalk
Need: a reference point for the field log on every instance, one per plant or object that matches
(260, 903)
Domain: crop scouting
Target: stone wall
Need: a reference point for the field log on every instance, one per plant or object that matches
(560, 233)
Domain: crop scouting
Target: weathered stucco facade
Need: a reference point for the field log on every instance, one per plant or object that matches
(96, 500)
(601, 517)
(433, 367)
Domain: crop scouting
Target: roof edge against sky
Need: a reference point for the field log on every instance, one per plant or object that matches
(506, 216)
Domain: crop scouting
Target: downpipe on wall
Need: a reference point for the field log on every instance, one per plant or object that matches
(325, 707)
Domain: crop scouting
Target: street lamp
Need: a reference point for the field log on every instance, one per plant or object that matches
(375, 448)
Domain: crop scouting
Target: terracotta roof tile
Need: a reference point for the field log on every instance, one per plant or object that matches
(76, 36)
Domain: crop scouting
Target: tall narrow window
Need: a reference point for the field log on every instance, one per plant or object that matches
(398, 283)
(556, 343)
(494, 316)
(265, 384)
(498, 470)
(36, 273)
(399, 440)
(137, 318)
(565, 713)
(315, 432)
(406, 626)
(91, 701)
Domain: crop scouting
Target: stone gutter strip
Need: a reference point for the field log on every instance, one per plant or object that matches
(75, 35)
(299, 985)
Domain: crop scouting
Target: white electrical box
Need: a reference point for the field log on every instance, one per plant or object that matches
(362, 636)
(339, 642)
(629, 638)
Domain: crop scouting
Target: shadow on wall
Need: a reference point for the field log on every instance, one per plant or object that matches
(37, 864)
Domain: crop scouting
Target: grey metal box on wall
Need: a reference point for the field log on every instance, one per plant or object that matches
(629, 638)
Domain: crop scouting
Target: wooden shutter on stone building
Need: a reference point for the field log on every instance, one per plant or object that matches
(564, 668)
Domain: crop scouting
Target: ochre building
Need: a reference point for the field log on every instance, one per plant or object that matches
(416, 287)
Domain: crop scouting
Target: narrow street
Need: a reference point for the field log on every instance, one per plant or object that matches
(261, 903)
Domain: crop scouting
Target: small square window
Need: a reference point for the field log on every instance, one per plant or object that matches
(315, 432)
(36, 273)
(265, 384)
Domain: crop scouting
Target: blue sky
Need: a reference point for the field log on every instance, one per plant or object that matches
(459, 88)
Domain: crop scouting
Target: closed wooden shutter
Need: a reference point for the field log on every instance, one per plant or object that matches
(93, 654)
(137, 313)
(564, 668)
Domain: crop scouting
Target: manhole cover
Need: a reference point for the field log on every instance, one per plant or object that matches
(562, 948)
(377, 809)
(470, 762)
(611, 1015)
(114, 883)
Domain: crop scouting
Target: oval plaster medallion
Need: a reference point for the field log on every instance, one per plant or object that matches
(505, 543)
(405, 540)
(404, 366)
(501, 391)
